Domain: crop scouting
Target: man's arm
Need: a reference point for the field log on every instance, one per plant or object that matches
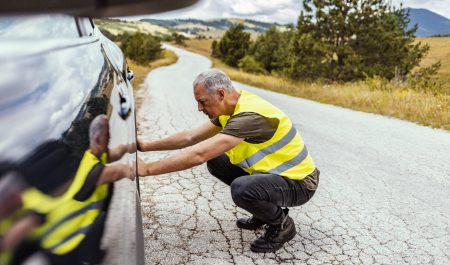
(117, 152)
(181, 139)
(103, 174)
(194, 156)
(115, 172)
(19, 231)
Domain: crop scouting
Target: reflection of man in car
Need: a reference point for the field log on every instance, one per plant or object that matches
(250, 145)
(71, 223)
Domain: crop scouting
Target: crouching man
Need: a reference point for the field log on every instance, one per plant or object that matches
(253, 147)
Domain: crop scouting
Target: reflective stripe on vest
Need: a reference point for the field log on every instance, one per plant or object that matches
(79, 233)
(284, 154)
(67, 219)
(92, 206)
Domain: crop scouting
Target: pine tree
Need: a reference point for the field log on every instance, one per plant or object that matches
(233, 46)
(270, 49)
(352, 39)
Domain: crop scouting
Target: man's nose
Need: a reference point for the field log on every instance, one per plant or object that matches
(200, 107)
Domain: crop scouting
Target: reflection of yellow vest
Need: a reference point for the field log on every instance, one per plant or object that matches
(67, 220)
(284, 154)
(5, 225)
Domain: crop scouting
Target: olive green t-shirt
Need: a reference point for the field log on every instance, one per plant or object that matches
(250, 126)
(255, 128)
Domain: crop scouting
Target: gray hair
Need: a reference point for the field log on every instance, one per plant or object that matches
(97, 126)
(212, 80)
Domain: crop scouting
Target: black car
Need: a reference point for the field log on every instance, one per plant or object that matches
(58, 73)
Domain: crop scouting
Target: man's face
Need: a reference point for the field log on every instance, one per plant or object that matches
(208, 103)
(103, 139)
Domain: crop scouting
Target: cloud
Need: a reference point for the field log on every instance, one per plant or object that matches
(281, 11)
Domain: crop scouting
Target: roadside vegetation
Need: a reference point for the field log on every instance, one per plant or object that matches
(337, 61)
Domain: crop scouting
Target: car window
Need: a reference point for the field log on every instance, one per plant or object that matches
(86, 26)
(38, 26)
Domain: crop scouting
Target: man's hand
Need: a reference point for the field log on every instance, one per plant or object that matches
(114, 172)
(117, 152)
(141, 166)
(141, 146)
(132, 175)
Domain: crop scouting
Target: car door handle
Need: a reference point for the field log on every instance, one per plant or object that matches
(125, 106)
(130, 75)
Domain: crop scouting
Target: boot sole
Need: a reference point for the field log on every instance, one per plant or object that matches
(265, 250)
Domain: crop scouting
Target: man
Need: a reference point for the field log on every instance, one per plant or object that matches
(266, 162)
(68, 223)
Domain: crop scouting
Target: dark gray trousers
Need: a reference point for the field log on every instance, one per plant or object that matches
(262, 195)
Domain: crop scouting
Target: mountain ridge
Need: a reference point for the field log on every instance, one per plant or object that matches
(429, 24)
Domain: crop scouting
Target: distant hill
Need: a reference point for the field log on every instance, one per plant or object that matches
(213, 28)
(210, 28)
(249, 24)
(430, 23)
(117, 26)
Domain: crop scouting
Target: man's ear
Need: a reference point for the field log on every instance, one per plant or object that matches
(221, 93)
(97, 138)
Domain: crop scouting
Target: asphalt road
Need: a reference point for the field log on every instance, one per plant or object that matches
(383, 197)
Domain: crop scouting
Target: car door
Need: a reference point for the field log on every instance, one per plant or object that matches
(58, 73)
(123, 231)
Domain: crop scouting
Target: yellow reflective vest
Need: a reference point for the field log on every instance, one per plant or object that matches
(284, 154)
(67, 220)
(5, 225)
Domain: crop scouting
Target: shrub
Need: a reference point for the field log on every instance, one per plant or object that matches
(141, 48)
(249, 64)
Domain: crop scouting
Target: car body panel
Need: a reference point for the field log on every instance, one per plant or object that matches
(51, 90)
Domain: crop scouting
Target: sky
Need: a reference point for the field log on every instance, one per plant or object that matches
(281, 11)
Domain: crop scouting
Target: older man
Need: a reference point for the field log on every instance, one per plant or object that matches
(250, 145)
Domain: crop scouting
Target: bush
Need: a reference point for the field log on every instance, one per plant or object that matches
(423, 80)
(249, 64)
(142, 48)
(179, 39)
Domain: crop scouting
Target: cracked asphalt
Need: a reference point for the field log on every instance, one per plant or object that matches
(383, 197)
